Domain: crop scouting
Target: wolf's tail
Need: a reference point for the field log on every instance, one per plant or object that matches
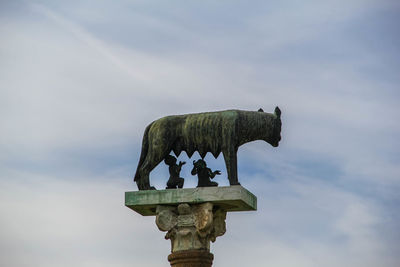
(143, 153)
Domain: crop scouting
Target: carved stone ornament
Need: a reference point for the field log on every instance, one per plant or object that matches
(191, 227)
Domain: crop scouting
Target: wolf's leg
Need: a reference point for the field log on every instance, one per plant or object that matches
(154, 157)
(147, 167)
(143, 183)
(231, 165)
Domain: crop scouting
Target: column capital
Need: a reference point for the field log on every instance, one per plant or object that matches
(191, 227)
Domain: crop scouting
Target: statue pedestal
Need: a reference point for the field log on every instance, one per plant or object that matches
(192, 217)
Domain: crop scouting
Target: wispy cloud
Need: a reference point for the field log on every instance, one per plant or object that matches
(68, 223)
(91, 41)
(76, 95)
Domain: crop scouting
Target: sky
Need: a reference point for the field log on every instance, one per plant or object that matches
(80, 81)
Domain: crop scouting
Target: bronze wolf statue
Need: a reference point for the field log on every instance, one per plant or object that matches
(215, 132)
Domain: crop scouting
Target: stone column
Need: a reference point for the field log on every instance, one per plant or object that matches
(190, 229)
(192, 217)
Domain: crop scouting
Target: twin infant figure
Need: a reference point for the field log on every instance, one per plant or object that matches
(199, 167)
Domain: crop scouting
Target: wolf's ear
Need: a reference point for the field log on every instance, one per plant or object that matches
(260, 110)
(278, 112)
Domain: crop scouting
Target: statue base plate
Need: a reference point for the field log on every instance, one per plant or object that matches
(228, 198)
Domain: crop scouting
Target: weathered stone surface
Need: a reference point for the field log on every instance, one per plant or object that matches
(167, 218)
(192, 217)
(191, 227)
(191, 258)
(228, 198)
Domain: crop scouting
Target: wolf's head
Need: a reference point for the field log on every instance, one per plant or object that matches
(276, 131)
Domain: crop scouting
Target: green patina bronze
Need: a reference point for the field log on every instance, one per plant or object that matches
(214, 132)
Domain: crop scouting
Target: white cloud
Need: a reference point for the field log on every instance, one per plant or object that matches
(65, 86)
(305, 223)
(47, 221)
(82, 222)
